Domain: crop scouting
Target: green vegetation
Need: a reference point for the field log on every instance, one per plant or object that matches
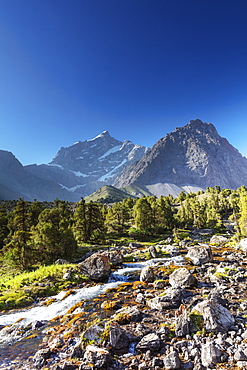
(34, 234)
(196, 322)
(21, 290)
(108, 194)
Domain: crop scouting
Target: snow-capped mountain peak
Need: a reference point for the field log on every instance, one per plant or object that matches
(87, 165)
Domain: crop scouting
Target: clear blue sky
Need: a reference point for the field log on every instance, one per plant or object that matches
(70, 69)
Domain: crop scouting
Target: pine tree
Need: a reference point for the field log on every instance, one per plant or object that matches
(4, 230)
(116, 218)
(143, 215)
(243, 211)
(18, 249)
(53, 237)
(80, 222)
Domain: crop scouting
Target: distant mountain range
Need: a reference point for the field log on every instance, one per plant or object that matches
(76, 171)
(190, 158)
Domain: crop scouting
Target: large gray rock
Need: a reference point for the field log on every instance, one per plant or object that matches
(147, 274)
(210, 354)
(216, 317)
(98, 357)
(40, 357)
(171, 250)
(182, 278)
(170, 299)
(115, 257)
(93, 333)
(149, 342)
(218, 239)
(200, 254)
(118, 337)
(96, 267)
(153, 251)
(172, 361)
(132, 312)
(181, 322)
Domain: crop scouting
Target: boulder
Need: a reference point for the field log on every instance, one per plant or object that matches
(149, 342)
(40, 357)
(210, 354)
(132, 312)
(218, 240)
(171, 250)
(200, 254)
(147, 274)
(170, 299)
(94, 333)
(118, 337)
(181, 322)
(98, 357)
(115, 257)
(61, 261)
(216, 317)
(134, 245)
(182, 278)
(96, 267)
(153, 251)
(172, 361)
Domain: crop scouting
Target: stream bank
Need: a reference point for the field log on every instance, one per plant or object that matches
(182, 317)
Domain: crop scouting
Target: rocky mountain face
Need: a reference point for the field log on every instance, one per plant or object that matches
(190, 158)
(84, 167)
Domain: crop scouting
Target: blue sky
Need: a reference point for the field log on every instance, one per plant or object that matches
(70, 69)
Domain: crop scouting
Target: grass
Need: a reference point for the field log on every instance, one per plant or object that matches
(21, 290)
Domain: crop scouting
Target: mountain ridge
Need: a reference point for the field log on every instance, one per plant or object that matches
(76, 171)
(194, 155)
(190, 158)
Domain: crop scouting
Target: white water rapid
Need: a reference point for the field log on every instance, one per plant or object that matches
(61, 306)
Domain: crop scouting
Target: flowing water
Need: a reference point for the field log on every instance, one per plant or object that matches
(12, 336)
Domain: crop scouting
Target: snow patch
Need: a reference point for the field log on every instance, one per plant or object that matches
(71, 190)
(111, 173)
(98, 136)
(79, 174)
(55, 165)
(110, 151)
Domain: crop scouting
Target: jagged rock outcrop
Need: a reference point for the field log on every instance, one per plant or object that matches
(190, 158)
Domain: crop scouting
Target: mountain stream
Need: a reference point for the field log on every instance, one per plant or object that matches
(15, 343)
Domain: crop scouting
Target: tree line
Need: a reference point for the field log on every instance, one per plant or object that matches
(40, 232)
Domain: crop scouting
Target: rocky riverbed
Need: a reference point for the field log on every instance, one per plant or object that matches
(190, 316)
